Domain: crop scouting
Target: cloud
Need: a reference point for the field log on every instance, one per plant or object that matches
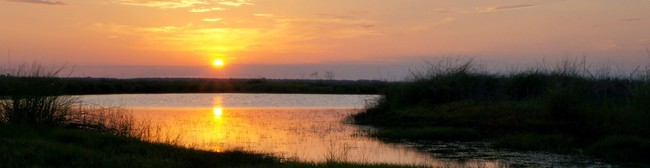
(330, 28)
(428, 26)
(264, 15)
(162, 29)
(285, 35)
(367, 26)
(446, 20)
(511, 7)
(45, 2)
(338, 16)
(450, 10)
(483, 9)
(630, 20)
(212, 19)
(164, 4)
(191, 38)
(621, 21)
(173, 4)
(201, 10)
(236, 3)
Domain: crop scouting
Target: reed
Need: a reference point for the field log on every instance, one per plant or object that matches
(42, 127)
(565, 99)
(33, 95)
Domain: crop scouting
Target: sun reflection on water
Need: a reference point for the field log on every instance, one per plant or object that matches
(217, 133)
(217, 108)
(218, 112)
(310, 135)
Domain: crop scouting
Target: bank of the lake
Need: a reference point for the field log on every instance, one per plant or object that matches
(83, 86)
(29, 146)
(40, 127)
(564, 109)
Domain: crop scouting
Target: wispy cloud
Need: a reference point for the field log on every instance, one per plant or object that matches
(450, 10)
(630, 19)
(367, 26)
(484, 9)
(165, 4)
(446, 20)
(162, 29)
(45, 2)
(201, 10)
(285, 35)
(338, 16)
(195, 4)
(212, 19)
(236, 3)
(264, 15)
(618, 22)
(186, 38)
(332, 28)
(428, 26)
(510, 7)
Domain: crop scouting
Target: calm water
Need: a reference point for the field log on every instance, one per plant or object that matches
(307, 128)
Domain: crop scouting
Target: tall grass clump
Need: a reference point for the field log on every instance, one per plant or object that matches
(564, 99)
(32, 95)
(449, 81)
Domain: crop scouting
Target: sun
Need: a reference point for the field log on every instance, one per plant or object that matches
(218, 63)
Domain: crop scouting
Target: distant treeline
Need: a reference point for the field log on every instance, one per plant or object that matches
(209, 85)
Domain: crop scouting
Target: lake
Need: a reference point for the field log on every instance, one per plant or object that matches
(306, 127)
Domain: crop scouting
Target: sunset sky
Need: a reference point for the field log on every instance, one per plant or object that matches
(356, 39)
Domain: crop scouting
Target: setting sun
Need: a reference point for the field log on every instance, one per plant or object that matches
(218, 63)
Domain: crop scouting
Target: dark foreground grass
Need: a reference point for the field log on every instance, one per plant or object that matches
(563, 108)
(27, 146)
(46, 147)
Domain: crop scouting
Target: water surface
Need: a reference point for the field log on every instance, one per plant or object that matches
(307, 128)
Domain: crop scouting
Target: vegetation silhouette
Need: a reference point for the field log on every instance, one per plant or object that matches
(206, 85)
(562, 107)
(40, 126)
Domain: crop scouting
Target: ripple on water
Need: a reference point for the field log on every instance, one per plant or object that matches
(483, 151)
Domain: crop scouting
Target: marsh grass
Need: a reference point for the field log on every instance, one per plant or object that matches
(336, 153)
(42, 127)
(565, 103)
(32, 95)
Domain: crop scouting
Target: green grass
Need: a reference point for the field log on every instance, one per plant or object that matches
(558, 108)
(26, 146)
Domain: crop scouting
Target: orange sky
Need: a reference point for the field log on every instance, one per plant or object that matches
(300, 32)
